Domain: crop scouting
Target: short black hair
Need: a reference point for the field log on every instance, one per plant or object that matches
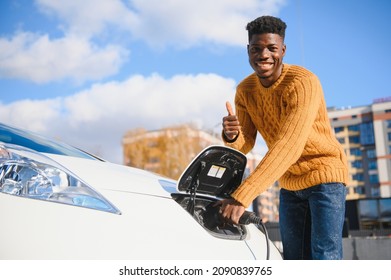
(266, 24)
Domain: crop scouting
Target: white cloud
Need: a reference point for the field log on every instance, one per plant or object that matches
(97, 118)
(89, 17)
(35, 115)
(40, 59)
(185, 23)
(152, 102)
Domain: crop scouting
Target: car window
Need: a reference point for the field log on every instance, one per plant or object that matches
(39, 143)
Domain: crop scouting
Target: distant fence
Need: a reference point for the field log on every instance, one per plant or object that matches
(372, 244)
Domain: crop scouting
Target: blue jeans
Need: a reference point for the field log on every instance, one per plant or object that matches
(311, 222)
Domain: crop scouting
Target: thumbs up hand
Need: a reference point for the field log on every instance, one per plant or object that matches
(231, 125)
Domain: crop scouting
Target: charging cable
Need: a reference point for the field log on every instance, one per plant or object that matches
(250, 218)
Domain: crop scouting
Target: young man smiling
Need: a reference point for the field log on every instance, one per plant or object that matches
(285, 104)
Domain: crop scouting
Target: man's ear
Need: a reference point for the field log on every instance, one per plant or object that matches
(283, 50)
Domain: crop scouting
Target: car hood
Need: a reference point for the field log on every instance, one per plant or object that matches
(103, 175)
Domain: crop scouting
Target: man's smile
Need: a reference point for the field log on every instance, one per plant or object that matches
(264, 66)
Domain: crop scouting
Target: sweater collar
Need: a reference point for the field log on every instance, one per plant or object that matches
(285, 68)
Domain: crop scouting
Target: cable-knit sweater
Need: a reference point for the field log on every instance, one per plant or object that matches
(291, 116)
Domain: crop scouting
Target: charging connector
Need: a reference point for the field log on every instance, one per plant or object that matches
(212, 217)
(249, 218)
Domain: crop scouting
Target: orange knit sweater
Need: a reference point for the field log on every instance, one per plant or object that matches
(292, 118)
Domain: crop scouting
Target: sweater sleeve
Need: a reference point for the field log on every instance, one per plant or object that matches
(302, 101)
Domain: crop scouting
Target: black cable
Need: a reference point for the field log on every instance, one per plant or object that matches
(267, 238)
(251, 218)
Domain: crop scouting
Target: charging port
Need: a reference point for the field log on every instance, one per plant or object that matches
(208, 217)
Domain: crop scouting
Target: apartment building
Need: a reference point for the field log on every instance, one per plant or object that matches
(365, 133)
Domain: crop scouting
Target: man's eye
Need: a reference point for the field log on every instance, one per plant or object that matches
(255, 49)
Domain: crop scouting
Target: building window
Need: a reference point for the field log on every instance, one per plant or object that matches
(154, 160)
(389, 136)
(369, 213)
(358, 177)
(354, 139)
(341, 140)
(367, 135)
(371, 153)
(355, 127)
(374, 179)
(359, 190)
(338, 129)
(375, 192)
(388, 123)
(372, 165)
(355, 152)
(357, 164)
(152, 144)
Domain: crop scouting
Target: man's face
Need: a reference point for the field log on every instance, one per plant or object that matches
(265, 52)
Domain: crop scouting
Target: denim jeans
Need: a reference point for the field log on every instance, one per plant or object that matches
(311, 222)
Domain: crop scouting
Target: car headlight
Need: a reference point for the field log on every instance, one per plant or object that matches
(26, 173)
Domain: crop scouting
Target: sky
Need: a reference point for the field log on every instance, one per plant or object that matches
(85, 72)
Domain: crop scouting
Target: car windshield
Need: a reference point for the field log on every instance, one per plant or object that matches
(38, 143)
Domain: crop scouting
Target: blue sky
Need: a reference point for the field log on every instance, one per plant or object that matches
(87, 71)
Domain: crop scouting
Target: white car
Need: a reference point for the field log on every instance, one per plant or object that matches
(57, 202)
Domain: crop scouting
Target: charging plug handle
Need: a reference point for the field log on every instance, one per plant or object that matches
(249, 218)
(212, 217)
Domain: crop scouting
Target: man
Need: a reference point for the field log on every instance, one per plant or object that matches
(285, 104)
